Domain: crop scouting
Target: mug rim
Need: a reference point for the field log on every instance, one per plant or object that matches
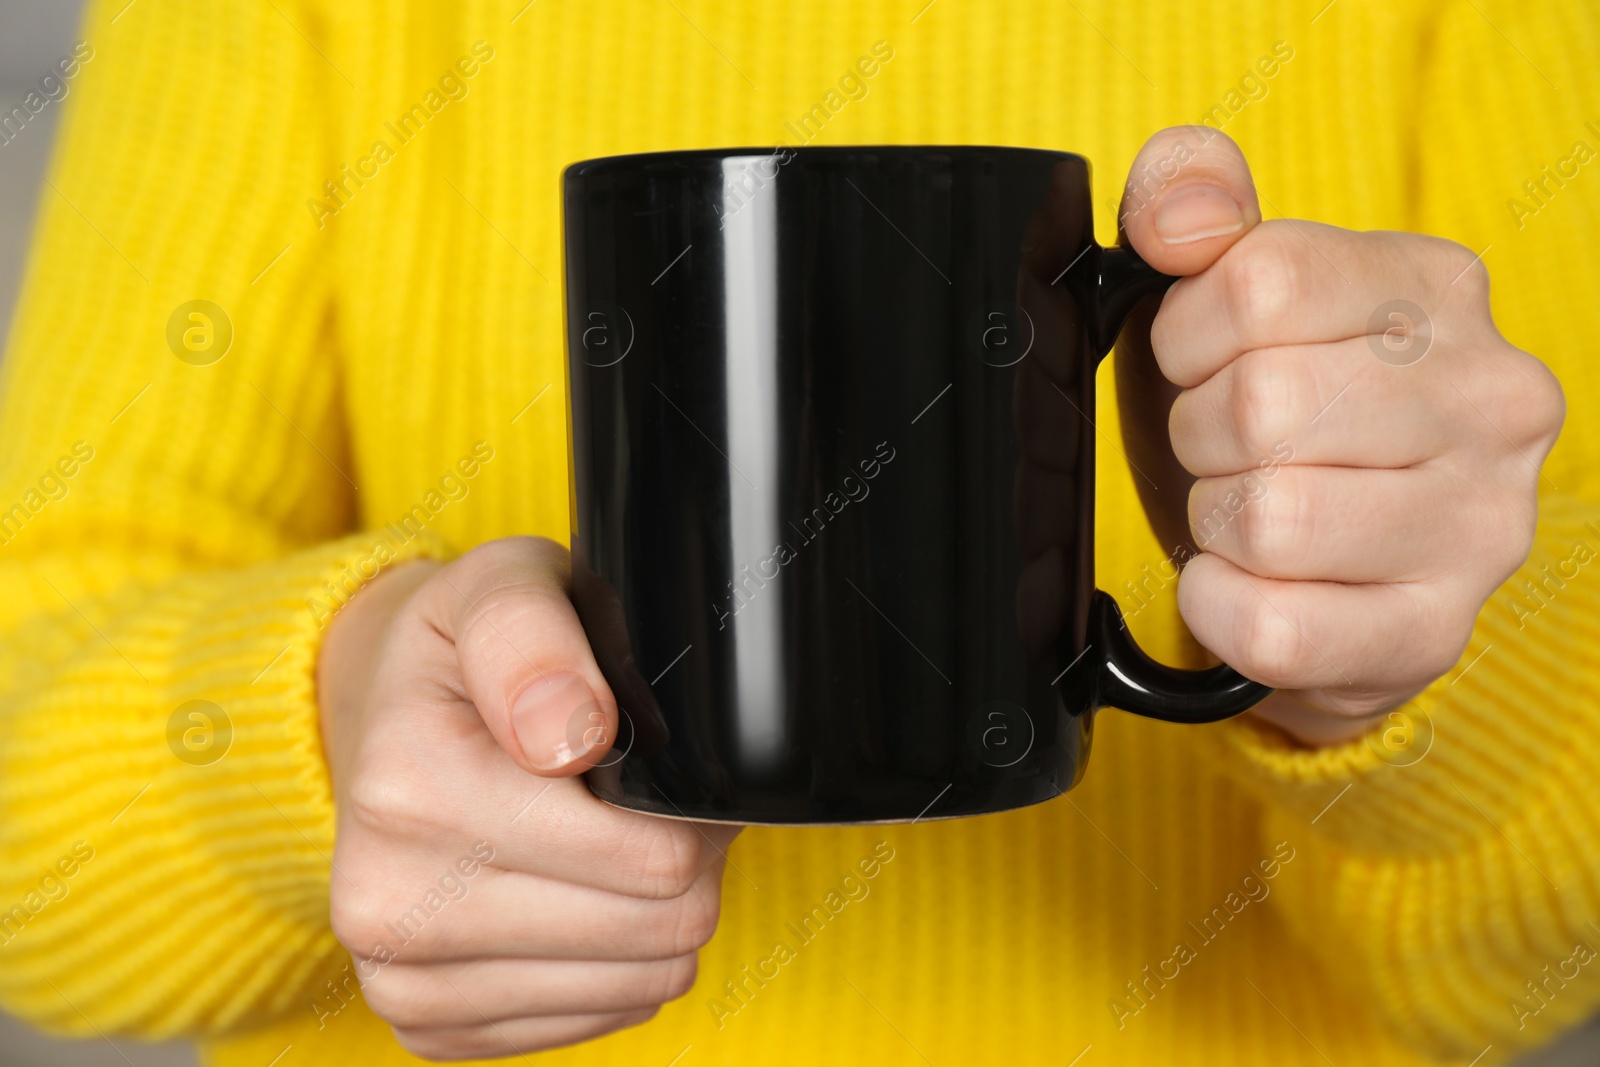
(623, 160)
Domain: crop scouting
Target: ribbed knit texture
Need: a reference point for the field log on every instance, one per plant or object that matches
(185, 560)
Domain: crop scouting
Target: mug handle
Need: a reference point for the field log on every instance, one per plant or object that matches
(1128, 678)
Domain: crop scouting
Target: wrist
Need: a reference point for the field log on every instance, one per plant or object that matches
(348, 656)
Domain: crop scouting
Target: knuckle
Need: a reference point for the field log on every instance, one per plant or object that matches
(439, 1046)
(512, 555)
(1273, 650)
(509, 606)
(1534, 406)
(395, 999)
(677, 978)
(500, 583)
(491, 556)
(1550, 400)
(392, 804)
(355, 917)
(1490, 382)
(420, 1043)
(1264, 401)
(1447, 621)
(1274, 525)
(1208, 515)
(638, 1018)
(1168, 327)
(1262, 279)
(1186, 431)
(665, 859)
(1464, 271)
(1362, 705)
(1496, 530)
(1508, 539)
(695, 922)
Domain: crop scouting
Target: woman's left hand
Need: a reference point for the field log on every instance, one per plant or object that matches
(1365, 445)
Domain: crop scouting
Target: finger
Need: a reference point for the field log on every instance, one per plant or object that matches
(514, 1036)
(1288, 282)
(561, 831)
(448, 995)
(525, 916)
(1189, 198)
(1358, 643)
(524, 657)
(1320, 404)
(1333, 524)
(551, 827)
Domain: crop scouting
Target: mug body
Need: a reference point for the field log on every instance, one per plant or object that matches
(832, 447)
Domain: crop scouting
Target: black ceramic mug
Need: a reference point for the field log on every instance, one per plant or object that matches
(832, 449)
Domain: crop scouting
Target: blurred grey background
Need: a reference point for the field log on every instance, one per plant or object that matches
(32, 34)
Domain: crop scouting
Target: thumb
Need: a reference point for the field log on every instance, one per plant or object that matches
(524, 659)
(1188, 199)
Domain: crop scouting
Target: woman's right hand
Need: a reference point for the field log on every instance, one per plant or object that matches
(458, 702)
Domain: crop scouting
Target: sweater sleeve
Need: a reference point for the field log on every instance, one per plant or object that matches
(1453, 876)
(177, 507)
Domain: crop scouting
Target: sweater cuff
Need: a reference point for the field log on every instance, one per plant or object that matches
(279, 772)
(1511, 729)
(185, 758)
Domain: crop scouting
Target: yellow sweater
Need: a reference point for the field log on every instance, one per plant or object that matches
(175, 529)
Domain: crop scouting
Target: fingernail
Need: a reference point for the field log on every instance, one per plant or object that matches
(543, 720)
(1196, 212)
